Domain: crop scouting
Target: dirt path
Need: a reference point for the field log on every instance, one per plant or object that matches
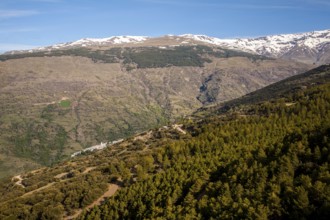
(112, 189)
(19, 182)
(178, 128)
(59, 176)
(50, 103)
(39, 189)
(44, 103)
(145, 137)
(88, 169)
(121, 152)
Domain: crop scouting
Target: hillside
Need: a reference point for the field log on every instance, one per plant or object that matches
(57, 102)
(277, 90)
(261, 160)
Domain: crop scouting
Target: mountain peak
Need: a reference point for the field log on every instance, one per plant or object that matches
(110, 40)
(86, 42)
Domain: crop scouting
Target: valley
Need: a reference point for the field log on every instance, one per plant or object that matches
(259, 156)
(63, 101)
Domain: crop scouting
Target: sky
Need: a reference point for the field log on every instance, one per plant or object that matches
(31, 23)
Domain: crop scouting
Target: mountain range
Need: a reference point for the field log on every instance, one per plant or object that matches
(310, 47)
(61, 99)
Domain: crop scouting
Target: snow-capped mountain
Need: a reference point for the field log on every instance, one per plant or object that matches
(88, 42)
(104, 41)
(310, 47)
(99, 42)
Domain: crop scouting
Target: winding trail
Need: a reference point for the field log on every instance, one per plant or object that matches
(112, 189)
(39, 189)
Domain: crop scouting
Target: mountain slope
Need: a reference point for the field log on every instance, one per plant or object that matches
(267, 160)
(58, 102)
(319, 75)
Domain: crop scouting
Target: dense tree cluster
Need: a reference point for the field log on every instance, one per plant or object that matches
(144, 57)
(41, 141)
(274, 164)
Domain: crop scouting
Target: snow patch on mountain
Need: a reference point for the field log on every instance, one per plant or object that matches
(275, 45)
(310, 47)
(103, 41)
(85, 42)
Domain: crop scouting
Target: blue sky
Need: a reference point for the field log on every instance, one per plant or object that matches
(28, 23)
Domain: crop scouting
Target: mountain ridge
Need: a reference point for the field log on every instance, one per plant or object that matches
(308, 47)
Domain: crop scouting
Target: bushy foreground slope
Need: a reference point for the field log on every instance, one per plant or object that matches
(259, 161)
(272, 162)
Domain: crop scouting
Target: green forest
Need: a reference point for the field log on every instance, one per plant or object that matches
(266, 160)
(270, 164)
(144, 57)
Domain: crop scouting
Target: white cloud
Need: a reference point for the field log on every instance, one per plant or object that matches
(17, 13)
